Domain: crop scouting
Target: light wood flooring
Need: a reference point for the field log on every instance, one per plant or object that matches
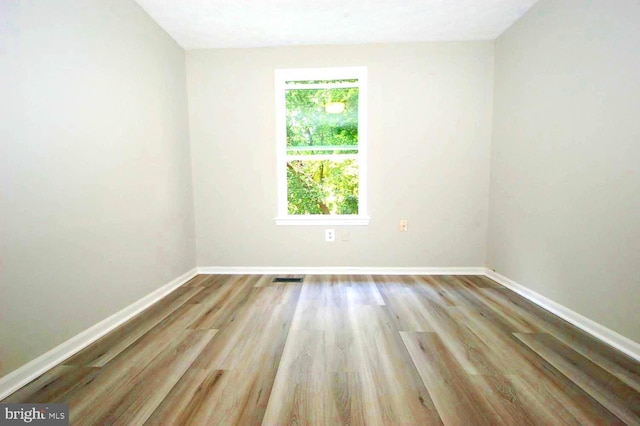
(394, 350)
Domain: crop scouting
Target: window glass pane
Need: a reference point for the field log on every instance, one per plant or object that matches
(322, 187)
(323, 118)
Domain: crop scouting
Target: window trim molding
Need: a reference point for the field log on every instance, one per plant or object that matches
(322, 220)
(333, 73)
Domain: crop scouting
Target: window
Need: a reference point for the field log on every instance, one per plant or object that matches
(321, 138)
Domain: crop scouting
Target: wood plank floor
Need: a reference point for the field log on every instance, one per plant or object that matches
(387, 350)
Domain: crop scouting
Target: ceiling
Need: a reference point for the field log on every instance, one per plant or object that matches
(206, 24)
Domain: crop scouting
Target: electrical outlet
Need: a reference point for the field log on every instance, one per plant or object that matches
(404, 225)
(330, 235)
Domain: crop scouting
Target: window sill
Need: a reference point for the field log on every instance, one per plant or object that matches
(322, 220)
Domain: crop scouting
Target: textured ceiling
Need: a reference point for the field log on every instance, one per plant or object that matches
(200, 24)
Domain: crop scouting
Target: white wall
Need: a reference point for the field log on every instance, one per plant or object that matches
(565, 173)
(429, 139)
(95, 180)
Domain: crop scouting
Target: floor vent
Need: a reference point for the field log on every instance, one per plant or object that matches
(287, 280)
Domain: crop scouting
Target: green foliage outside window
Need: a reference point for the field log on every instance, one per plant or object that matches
(327, 185)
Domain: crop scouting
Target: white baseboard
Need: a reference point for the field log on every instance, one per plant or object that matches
(598, 331)
(31, 370)
(338, 270)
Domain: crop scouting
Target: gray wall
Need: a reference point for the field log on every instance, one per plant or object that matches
(565, 172)
(96, 200)
(95, 180)
(429, 139)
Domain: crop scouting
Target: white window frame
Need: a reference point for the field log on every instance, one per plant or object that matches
(306, 74)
